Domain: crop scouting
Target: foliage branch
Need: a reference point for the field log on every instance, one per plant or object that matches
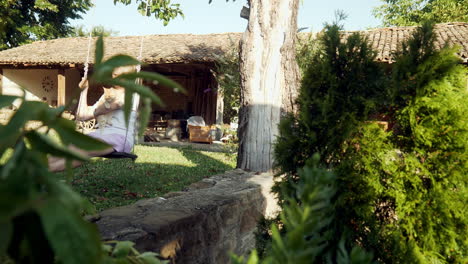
(415, 12)
(40, 218)
(25, 21)
(309, 218)
(161, 9)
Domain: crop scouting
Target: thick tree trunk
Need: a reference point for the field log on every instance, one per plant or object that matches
(269, 79)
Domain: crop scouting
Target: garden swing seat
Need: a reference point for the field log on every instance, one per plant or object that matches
(135, 100)
(120, 155)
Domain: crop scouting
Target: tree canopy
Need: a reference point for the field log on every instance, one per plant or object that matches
(29, 20)
(414, 12)
(160, 9)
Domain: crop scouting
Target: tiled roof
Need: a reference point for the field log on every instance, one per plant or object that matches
(185, 48)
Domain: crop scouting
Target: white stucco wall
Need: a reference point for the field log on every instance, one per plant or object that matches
(39, 84)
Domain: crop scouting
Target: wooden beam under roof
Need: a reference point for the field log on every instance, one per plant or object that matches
(1, 81)
(40, 67)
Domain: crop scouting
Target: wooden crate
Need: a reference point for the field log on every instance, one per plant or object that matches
(200, 134)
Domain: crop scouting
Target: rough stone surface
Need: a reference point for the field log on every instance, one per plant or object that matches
(201, 225)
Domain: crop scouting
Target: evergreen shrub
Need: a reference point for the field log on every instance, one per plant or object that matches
(401, 192)
(341, 87)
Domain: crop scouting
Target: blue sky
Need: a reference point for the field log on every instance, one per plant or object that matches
(221, 16)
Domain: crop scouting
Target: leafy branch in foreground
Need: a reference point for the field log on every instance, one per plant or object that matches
(309, 219)
(130, 81)
(40, 217)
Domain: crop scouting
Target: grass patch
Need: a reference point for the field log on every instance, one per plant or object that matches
(115, 182)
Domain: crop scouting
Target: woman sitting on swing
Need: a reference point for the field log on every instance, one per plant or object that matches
(110, 118)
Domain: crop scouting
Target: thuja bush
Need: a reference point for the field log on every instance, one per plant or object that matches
(415, 176)
(402, 192)
(341, 86)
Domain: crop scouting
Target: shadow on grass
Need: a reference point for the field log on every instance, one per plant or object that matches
(110, 183)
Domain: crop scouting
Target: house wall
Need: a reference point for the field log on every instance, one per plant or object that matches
(39, 84)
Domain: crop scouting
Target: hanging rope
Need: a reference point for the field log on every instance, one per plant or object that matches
(86, 65)
(90, 38)
(136, 97)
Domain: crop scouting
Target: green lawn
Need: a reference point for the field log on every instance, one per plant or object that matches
(158, 170)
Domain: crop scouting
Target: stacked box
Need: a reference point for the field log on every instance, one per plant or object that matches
(200, 134)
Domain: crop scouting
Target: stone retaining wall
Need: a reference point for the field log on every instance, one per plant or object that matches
(213, 217)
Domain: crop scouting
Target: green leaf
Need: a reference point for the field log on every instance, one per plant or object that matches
(99, 52)
(122, 249)
(149, 258)
(66, 130)
(13, 161)
(29, 237)
(45, 5)
(45, 144)
(6, 231)
(107, 248)
(119, 61)
(64, 194)
(128, 101)
(153, 76)
(74, 240)
(103, 71)
(137, 88)
(144, 115)
(7, 100)
(16, 191)
(253, 259)
(28, 110)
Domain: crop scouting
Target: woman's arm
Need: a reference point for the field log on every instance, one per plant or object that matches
(84, 112)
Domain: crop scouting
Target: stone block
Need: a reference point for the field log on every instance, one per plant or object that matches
(201, 225)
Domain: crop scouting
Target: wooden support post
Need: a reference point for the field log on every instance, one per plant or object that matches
(219, 107)
(1, 81)
(61, 87)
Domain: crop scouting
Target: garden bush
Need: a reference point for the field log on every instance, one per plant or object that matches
(401, 192)
(308, 220)
(342, 85)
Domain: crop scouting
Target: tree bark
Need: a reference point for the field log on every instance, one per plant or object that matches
(269, 79)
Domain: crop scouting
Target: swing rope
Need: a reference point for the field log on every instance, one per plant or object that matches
(90, 37)
(135, 96)
(86, 65)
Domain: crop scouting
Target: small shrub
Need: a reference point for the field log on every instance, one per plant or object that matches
(309, 219)
(228, 78)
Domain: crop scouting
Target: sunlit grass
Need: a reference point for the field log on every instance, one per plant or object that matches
(158, 170)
